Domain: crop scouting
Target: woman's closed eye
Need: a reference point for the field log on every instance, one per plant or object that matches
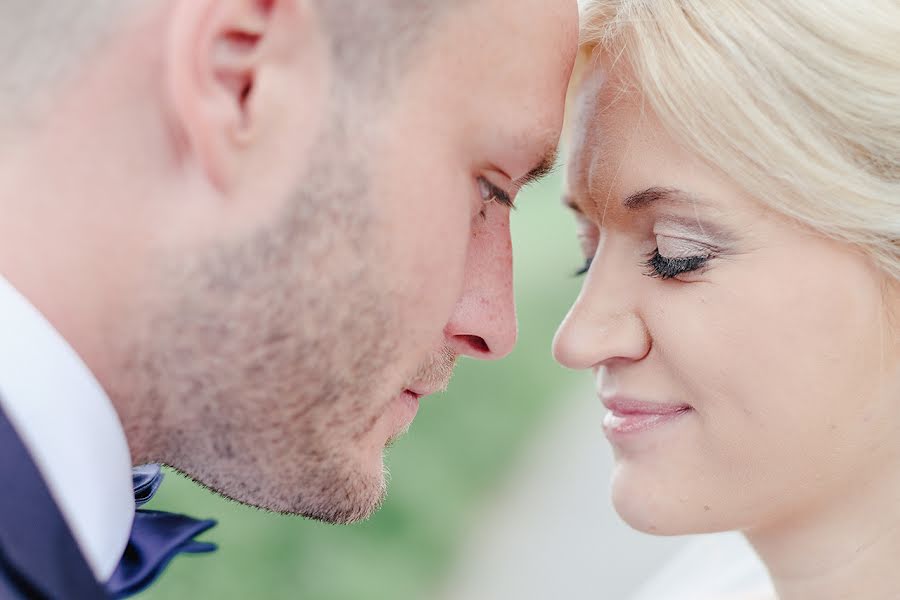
(674, 256)
(662, 267)
(585, 268)
(671, 258)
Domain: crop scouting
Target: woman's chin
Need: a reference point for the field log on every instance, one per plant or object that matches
(648, 505)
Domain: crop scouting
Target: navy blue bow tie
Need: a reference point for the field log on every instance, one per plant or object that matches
(156, 538)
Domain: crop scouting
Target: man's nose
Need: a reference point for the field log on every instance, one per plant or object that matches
(604, 325)
(483, 324)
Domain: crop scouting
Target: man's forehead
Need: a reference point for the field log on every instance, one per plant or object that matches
(535, 36)
(503, 72)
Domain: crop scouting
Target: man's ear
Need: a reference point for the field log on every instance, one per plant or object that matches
(224, 60)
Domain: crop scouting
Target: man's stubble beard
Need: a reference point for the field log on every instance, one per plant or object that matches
(434, 375)
(274, 354)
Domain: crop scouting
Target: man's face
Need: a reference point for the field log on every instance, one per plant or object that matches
(289, 358)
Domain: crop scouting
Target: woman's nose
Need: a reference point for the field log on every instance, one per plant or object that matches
(604, 324)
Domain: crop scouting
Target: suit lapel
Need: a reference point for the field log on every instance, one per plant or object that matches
(37, 549)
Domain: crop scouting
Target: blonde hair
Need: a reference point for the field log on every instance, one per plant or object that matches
(797, 102)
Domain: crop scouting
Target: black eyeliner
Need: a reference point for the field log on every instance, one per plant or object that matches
(668, 268)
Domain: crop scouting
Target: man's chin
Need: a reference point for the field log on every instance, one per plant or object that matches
(326, 492)
(348, 509)
(349, 488)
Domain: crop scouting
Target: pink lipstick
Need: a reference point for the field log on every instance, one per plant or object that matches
(627, 416)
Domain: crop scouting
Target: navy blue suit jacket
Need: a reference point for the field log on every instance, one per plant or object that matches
(39, 558)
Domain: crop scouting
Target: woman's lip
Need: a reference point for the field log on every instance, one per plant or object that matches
(628, 416)
(624, 407)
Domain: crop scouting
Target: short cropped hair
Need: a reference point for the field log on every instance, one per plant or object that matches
(371, 39)
(796, 102)
(43, 41)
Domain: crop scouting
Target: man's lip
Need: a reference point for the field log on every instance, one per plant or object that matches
(421, 392)
(623, 407)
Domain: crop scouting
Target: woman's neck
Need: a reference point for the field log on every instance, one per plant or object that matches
(846, 550)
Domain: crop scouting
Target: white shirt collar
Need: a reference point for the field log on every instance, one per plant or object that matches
(70, 428)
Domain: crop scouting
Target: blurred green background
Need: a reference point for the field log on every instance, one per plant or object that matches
(459, 448)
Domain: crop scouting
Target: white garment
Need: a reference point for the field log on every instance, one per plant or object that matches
(721, 566)
(70, 428)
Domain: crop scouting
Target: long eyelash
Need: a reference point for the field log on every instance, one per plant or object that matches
(499, 195)
(666, 268)
(583, 270)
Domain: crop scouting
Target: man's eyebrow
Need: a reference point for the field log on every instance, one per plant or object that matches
(544, 168)
(645, 198)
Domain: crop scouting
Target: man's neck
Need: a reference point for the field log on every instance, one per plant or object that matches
(70, 252)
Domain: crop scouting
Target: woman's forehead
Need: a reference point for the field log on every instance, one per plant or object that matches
(607, 116)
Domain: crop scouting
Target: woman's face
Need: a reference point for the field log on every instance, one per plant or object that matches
(752, 367)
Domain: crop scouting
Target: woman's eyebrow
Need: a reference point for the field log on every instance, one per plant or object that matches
(644, 198)
(654, 195)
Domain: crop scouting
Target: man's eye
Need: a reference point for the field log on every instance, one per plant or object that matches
(492, 193)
